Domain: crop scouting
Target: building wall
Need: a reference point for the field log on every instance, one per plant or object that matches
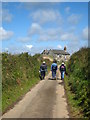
(62, 58)
(58, 57)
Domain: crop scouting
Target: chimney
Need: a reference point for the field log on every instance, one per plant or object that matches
(65, 48)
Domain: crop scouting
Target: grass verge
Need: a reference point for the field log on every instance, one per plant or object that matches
(15, 93)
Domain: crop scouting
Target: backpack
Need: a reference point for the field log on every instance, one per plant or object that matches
(43, 67)
(62, 68)
(54, 67)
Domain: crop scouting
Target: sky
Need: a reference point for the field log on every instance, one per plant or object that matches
(35, 26)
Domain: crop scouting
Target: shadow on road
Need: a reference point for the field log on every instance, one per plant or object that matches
(54, 79)
(51, 79)
(61, 83)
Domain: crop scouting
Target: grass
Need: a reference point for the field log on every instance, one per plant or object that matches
(13, 94)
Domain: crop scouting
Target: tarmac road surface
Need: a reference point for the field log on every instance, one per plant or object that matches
(45, 100)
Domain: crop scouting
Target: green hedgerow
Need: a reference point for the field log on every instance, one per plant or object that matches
(78, 69)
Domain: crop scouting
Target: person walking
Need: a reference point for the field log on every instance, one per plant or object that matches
(62, 70)
(54, 69)
(43, 70)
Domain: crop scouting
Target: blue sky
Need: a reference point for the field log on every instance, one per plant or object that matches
(33, 27)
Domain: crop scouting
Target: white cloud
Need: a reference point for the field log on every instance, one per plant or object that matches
(43, 33)
(68, 36)
(5, 35)
(6, 15)
(50, 34)
(24, 39)
(47, 15)
(67, 10)
(73, 46)
(85, 33)
(47, 37)
(54, 31)
(0, 16)
(6, 49)
(29, 46)
(65, 36)
(76, 42)
(59, 46)
(35, 29)
(74, 19)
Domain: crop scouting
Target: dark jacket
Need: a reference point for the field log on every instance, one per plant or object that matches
(62, 68)
(43, 67)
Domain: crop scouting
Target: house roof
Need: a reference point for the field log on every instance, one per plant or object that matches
(56, 51)
(45, 51)
(60, 52)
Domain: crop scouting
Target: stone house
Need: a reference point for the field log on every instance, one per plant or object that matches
(57, 54)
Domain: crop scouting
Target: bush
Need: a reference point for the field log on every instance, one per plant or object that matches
(18, 68)
(78, 69)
